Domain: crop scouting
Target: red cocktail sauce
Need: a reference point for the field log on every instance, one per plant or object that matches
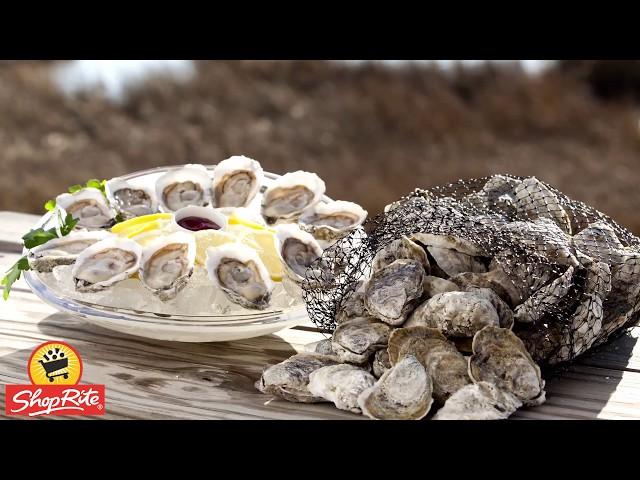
(198, 223)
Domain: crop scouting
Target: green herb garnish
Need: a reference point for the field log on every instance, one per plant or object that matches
(36, 237)
(93, 183)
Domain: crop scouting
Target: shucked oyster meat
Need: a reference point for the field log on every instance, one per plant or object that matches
(89, 207)
(63, 250)
(236, 181)
(184, 186)
(298, 250)
(289, 379)
(391, 293)
(288, 196)
(329, 221)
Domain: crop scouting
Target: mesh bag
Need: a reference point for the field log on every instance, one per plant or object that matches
(570, 273)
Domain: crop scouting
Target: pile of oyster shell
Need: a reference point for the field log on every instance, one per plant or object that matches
(456, 323)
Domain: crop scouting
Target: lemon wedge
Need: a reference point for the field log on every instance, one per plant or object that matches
(265, 245)
(210, 238)
(136, 221)
(236, 219)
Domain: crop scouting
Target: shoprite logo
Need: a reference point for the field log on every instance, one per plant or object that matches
(55, 369)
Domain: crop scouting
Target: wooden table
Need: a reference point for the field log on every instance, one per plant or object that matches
(149, 379)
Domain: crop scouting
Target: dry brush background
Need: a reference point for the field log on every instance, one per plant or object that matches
(373, 133)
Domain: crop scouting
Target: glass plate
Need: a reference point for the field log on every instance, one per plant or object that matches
(173, 327)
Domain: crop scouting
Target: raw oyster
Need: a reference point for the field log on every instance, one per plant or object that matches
(432, 286)
(535, 200)
(380, 363)
(236, 181)
(239, 272)
(401, 248)
(446, 366)
(129, 199)
(322, 347)
(289, 379)
(391, 293)
(500, 357)
(288, 196)
(105, 263)
(63, 250)
(357, 339)
(497, 194)
(505, 314)
(600, 242)
(352, 304)
(450, 263)
(327, 222)
(340, 384)
(402, 393)
(456, 314)
(543, 237)
(89, 207)
(167, 263)
(297, 249)
(479, 401)
(546, 300)
(188, 185)
(495, 279)
(448, 242)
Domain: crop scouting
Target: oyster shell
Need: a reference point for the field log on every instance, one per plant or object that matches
(182, 187)
(357, 339)
(391, 293)
(432, 286)
(236, 181)
(535, 200)
(546, 300)
(448, 242)
(322, 347)
(497, 194)
(327, 222)
(543, 237)
(297, 249)
(402, 393)
(499, 357)
(479, 401)
(380, 363)
(239, 272)
(600, 242)
(167, 263)
(105, 263)
(352, 305)
(63, 250)
(505, 314)
(450, 263)
(340, 384)
(89, 207)
(129, 199)
(401, 248)
(288, 196)
(289, 379)
(446, 366)
(456, 314)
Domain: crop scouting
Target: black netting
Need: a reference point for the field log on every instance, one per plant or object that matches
(570, 273)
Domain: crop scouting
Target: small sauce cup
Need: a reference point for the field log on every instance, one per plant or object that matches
(206, 213)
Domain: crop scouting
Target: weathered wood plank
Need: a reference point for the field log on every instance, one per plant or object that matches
(14, 226)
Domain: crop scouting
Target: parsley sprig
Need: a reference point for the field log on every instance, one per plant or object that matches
(36, 237)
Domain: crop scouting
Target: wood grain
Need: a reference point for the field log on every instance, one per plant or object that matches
(148, 379)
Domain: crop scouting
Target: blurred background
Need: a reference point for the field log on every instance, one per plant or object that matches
(372, 130)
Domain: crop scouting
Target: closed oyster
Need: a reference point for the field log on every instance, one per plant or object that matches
(236, 181)
(499, 357)
(456, 314)
(391, 293)
(129, 199)
(448, 242)
(322, 347)
(357, 339)
(497, 194)
(380, 363)
(89, 207)
(535, 200)
(167, 264)
(544, 238)
(446, 366)
(288, 196)
(479, 401)
(182, 187)
(546, 300)
(63, 250)
(352, 304)
(496, 280)
(505, 314)
(289, 379)
(600, 242)
(450, 263)
(297, 249)
(327, 222)
(402, 393)
(401, 248)
(105, 263)
(432, 286)
(340, 384)
(239, 272)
